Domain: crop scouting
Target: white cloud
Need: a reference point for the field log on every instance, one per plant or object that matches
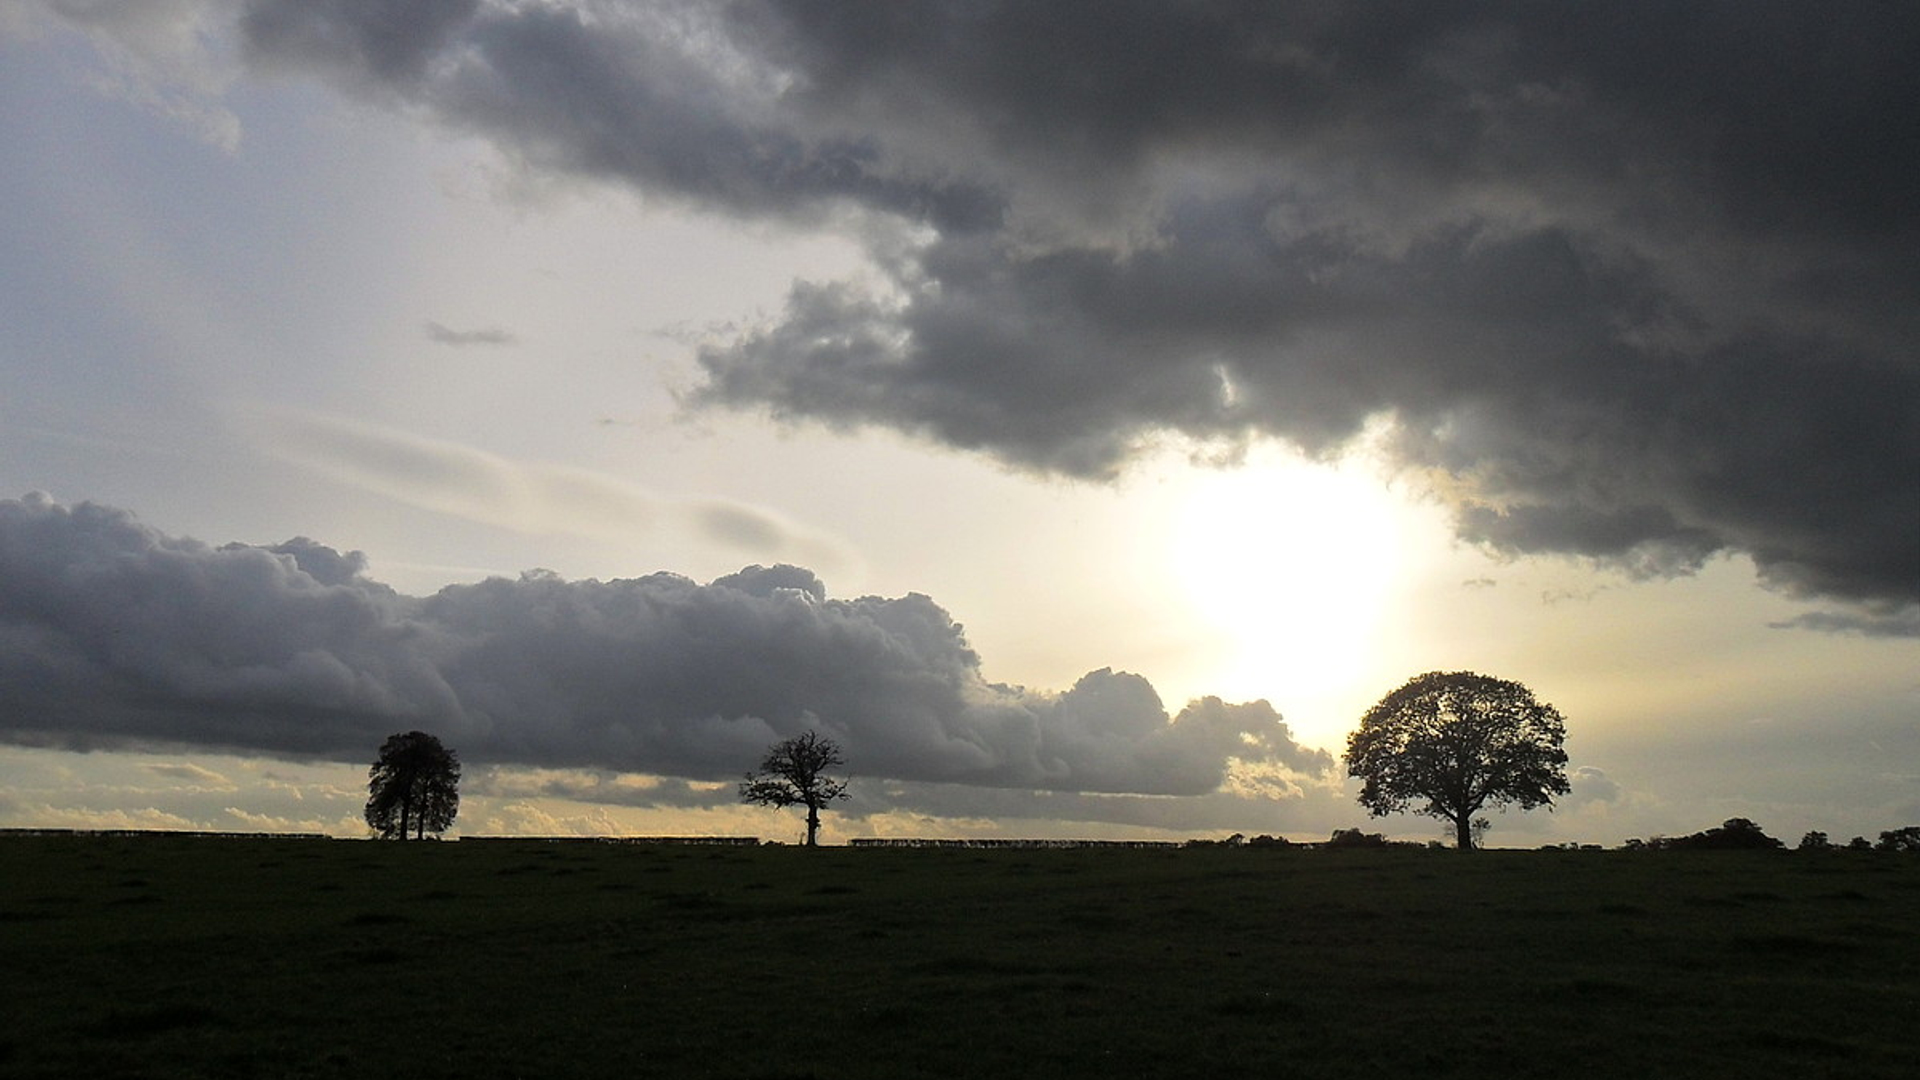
(200, 777)
(22, 814)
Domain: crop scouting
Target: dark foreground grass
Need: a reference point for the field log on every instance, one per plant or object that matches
(175, 957)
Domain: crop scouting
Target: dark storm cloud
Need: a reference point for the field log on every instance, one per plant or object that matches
(1888, 621)
(648, 94)
(1630, 281)
(112, 634)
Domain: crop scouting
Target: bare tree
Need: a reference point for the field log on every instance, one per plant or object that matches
(794, 774)
(414, 786)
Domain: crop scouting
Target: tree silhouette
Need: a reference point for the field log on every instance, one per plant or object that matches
(1902, 839)
(794, 774)
(414, 786)
(1733, 834)
(1452, 743)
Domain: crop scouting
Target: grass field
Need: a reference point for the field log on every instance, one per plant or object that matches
(174, 957)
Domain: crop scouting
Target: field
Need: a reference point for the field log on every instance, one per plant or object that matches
(175, 957)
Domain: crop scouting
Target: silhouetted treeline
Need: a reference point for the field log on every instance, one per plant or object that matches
(1005, 843)
(1901, 839)
(1734, 834)
(1740, 834)
(205, 834)
(664, 841)
(1238, 839)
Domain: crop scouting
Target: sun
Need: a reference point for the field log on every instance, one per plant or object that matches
(1289, 565)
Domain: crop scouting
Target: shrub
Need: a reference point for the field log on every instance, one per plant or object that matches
(1354, 838)
(1734, 834)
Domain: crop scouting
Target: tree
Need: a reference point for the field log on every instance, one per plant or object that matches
(1352, 838)
(1733, 834)
(413, 787)
(794, 774)
(1903, 839)
(1452, 743)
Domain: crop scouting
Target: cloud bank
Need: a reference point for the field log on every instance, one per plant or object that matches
(113, 635)
(1631, 282)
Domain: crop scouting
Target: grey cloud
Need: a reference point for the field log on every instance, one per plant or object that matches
(1884, 621)
(769, 581)
(1632, 281)
(320, 562)
(492, 335)
(366, 39)
(1563, 436)
(652, 95)
(112, 635)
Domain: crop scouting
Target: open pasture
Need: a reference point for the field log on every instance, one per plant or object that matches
(176, 957)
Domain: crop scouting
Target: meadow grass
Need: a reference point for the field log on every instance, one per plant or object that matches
(183, 957)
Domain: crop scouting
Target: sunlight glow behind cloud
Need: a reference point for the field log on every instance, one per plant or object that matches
(1292, 563)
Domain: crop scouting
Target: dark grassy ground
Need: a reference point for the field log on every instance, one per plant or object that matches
(171, 957)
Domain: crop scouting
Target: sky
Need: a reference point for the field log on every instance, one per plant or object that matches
(1082, 413)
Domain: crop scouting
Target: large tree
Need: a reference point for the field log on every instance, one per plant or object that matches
(794, 773)
(413, 787)
(1450, 744)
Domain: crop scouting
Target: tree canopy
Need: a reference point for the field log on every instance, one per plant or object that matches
(1734, 834)
(414, 787)
(1450, 744)
(794, 773)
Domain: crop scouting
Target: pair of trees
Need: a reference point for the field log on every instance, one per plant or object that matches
(414, 787)
(1447, 744)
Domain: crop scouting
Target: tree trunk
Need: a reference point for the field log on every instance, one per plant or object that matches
(813, 824)
(406, 815)
(1463, 831)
